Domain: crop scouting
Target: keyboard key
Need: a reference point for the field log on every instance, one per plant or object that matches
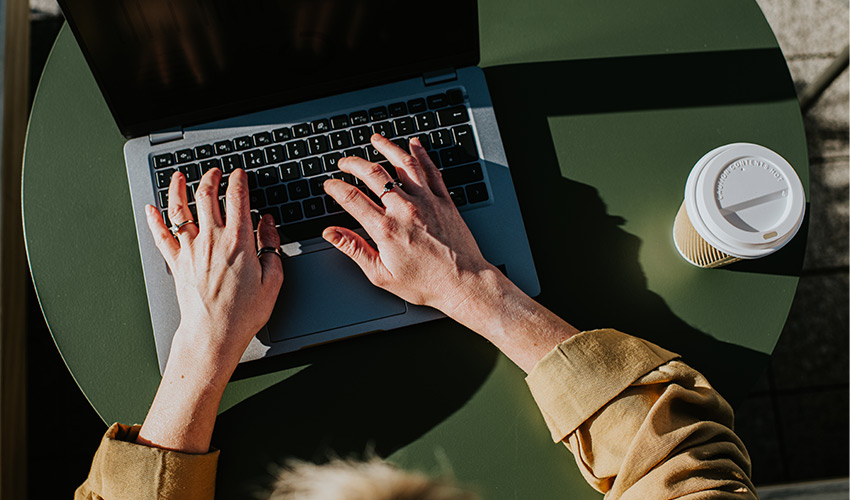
(222, 185)
(231, 163)
(274, 154)
(257, 198)
(298, 190)
(273, 211)
(296, 149)
(163, 177)
(163, 198)
(339, 121)
(458, 196)
(255, 219)
(402, 143)
(223, 147)
(379, 113)
(360, 135)
(390, 169)
(340, 140)
(207, 165)
(462, 175)
(165, 218)
(254, 158)
(321, 126)
(456, 155)
(435, 158)
(397, 109)
(277, 194)
(330, 161)
(311, 166)
(267, 176)
(424, 140)
(441, 138)
(289, 171)
(476, 193)
(163, 160)
(359, 152)
(185, 156)
(243, 143)
(316, 185)
(291, 212)
(318, 145)
(404, 126)
(313, 207)
(437, 101)
(383, 128)
(252, 180)
(262, 139)
(416, 105)
(202, 152)
(455, 96)
(463, 137)
(301, 130)
(281, 134)
(452, 116)
(374, 155)
(331, 205)
(359, 118)
(425, 121)
(191, 172)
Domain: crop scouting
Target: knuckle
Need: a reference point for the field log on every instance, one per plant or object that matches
(206, 191)
(408, 162)
(375, 170)
(349, 195)
(386, 227)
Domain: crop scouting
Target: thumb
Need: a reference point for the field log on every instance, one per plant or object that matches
(355, 247)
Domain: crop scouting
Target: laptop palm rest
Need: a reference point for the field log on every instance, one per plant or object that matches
(325, 290)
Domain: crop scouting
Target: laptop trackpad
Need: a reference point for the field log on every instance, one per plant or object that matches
(325, 290)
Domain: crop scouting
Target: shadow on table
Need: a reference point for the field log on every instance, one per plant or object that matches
(587, 264)
(384, 391)
(378, 392)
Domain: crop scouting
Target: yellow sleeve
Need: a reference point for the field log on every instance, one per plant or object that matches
(122, 469)
(641, 424)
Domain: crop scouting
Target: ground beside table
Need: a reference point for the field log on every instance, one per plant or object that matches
(603, 109)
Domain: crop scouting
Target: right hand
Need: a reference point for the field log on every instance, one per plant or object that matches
(423, 253)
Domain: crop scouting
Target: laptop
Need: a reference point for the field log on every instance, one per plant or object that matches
(283, 89)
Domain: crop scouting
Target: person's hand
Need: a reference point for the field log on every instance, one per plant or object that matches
(423, 253)
(225, 293)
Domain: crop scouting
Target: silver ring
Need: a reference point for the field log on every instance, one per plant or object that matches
(175, 228)
(274, 250)
(389, 187)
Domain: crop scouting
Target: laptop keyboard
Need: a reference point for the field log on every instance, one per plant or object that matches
(286, 166)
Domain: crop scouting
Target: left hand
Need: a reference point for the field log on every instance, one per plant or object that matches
(226, 294)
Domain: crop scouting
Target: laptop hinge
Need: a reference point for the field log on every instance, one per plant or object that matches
(439, 76)
(164, 136)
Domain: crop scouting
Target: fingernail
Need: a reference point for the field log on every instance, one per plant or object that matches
(268, 220)
(334, 237)
(415, 141)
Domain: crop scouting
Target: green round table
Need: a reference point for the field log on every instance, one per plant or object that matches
(603, 106)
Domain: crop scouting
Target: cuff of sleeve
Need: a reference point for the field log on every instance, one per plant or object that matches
(582, 374)
(124, 469)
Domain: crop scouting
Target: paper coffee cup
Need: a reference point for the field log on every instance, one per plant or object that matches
(742, 201)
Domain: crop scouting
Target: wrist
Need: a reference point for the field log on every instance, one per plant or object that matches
(480, 299)
(196, 359)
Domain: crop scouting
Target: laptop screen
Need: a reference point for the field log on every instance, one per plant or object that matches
(168, 63)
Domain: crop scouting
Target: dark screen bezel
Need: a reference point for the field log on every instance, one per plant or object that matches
(245, 106)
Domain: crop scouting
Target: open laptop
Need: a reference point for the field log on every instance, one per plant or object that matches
(283, 89)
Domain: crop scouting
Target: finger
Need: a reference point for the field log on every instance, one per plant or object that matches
(410, 173)
(206, 198)
(372, 174)
(178, 208)
(238, 205)
(353, 201)
(432, 174)
(267, 236)
(359, 250)
(165, 242)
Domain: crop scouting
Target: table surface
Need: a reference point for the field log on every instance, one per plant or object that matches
(603, 106)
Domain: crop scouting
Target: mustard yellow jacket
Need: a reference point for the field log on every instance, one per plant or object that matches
(641, 425)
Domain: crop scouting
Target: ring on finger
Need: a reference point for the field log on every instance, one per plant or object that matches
(274, 250)
(389, 187)
(175, 229)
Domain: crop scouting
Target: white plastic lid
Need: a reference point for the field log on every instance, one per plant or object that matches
(745, 200)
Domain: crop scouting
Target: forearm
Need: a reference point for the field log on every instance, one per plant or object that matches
(183, 413)
(498, 310)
